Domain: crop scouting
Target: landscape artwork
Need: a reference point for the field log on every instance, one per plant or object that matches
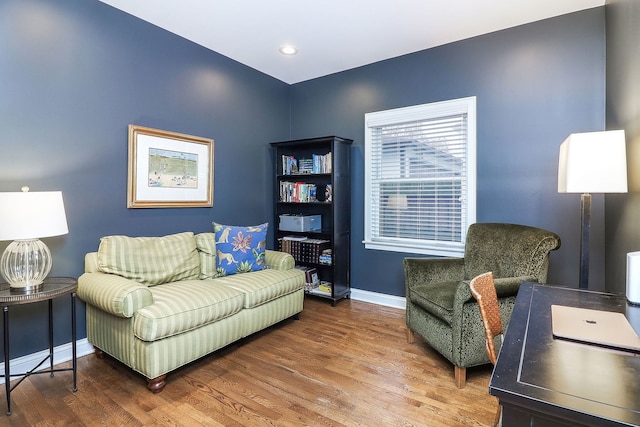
(172, 169)
(168, 169)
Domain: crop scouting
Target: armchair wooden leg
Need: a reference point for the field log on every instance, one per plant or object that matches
(410, 337)
(460, 375)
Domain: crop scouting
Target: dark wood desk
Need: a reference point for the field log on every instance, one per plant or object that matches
(544, 381)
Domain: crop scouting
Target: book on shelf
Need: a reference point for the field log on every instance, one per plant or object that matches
(322, 163)
(304, 249)
(305, 166)
(289, 165)
(317, 164)
(311, 279)
(324, 288)
(325, 257)
(297, 238)
(297, 192)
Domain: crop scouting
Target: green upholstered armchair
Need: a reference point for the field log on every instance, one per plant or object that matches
(440, 307)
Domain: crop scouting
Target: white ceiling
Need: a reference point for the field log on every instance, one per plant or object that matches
(335, 35)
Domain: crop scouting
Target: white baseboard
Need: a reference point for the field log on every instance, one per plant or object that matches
(378, 298)
(61, 354)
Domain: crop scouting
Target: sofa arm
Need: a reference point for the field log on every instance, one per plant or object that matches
(422, 271)
(279, 260)
(113, 294)
(91, 262)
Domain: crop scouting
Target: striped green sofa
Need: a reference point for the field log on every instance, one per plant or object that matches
(153, 304)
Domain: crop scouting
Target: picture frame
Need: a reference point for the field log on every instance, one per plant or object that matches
(168, 169)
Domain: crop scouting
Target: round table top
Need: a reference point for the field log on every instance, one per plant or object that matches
(52, 287)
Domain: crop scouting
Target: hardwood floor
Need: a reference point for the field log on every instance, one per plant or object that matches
(348, 365)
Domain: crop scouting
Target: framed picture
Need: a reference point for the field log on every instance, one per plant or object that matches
(168, 169)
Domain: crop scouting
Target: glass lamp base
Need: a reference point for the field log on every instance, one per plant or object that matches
(25, 264)
(26, 290)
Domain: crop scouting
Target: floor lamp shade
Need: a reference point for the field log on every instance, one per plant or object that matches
(593, 162)
(26, 217)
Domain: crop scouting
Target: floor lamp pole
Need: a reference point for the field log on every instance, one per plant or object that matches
(585, 221)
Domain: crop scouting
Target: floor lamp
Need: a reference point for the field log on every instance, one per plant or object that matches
(592, 162)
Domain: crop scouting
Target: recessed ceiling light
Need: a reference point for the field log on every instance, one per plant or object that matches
(288, 50)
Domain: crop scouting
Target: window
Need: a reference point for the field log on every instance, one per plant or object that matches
(420, 167)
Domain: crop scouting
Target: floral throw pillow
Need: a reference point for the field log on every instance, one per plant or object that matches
(240, 249)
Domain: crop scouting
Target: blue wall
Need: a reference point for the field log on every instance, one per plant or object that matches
(73, 75)
(623, 112)
(535, 84)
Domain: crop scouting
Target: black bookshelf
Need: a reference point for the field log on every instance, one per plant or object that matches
(313, 178)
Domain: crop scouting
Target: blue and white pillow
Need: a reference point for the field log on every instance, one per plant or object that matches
(240, 249)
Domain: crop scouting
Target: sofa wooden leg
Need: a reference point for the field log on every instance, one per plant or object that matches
(99, 353)
(410, 337)
(156, 384)
(460, 375)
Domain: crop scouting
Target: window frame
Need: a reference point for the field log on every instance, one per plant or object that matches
(411, 114)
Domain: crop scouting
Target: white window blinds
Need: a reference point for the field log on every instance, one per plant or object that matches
(420, 166)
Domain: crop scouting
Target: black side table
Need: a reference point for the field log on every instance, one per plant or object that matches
(53, 287)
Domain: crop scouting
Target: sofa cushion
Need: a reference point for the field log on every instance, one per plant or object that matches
(436, 298)
(185, 305)
(206, 243)
(150, 260)
(240, 249)
(263, 286)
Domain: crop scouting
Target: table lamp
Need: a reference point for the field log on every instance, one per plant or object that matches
(592, 162)
(26, 217)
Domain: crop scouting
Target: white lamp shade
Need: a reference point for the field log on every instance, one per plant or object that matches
(32, 215)
(593, 162)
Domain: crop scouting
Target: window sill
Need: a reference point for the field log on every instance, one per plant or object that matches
(452, 250)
